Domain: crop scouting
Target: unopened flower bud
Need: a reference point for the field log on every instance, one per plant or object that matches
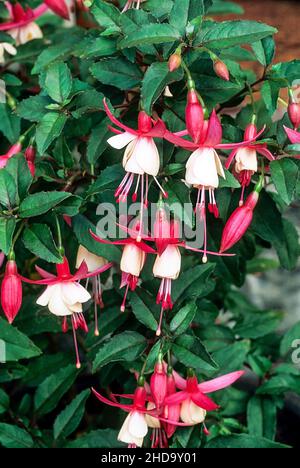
(221, 70)
(11, 291)
(194, 116)
(294, 114)
(174, 62)
(158, 385)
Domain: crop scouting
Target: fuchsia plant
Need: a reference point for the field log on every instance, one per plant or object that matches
(141, 116)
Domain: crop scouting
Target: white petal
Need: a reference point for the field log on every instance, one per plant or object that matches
(121, 140)
(246, 160)
(126, 437)
(137, 425)
(10, 49)
(93, 261)
(44, 299)
(168, 264)
(29, 32)
(77, 308)
(56, 305)
(201, 169)
(74, 292)
(151, 421)
(219, 166)
(130, 162)
(132, 260)
(191, 413)
(147, 156)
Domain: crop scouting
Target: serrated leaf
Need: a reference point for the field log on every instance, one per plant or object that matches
(41, 202)
(39, 240)
(50, 391)
(7, 228)
(181, 321)
(8, 189)
(117, 72)
(191, 352)
(150, 34)
(123, 347)
(156, 78)
(285, 175)
(142, 312)
(58, 81)
(17, 345)
(68, 420)
(14, 437)
(98, 141)
(17, 167)
(48, 129)
(33, 108)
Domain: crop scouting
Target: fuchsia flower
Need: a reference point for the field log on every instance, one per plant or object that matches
(64, 295)
(11, 291)
(30, 154)
(221, 70)
(293, 135)
(193, 396)
(246, 163)
(239, 222)
(133, 257)
(15, 149)
(204, 167)
(141, 157)
(93, 262)
(22, 26)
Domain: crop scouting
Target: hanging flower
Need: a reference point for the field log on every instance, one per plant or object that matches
(246, 163)
(193, 396)
(22, 27)
(141, 157)
(93, 262)
(64, 295)
(30, 154)
(15, 149)
(293, 136)
(11, 291)
(133, 257)
(6, 47)
(204, 167)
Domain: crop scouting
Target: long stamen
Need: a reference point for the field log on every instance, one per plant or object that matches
(165, 194)
(78, 363)
(158, 331)
(139, 236)
(203, 217)
(119, 189)
(134, 196)
(146, 191)
(122, 308)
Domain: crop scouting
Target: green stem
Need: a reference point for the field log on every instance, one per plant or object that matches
(59, 236)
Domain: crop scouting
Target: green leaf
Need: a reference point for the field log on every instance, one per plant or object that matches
(39, 240)
(232, 357)
(17, 345)
(58, 81)
(4, 401)
(98, 141)
(220, 7)
(261, 417)
(117, 72)
(101, 438)
(243, 441)
(111, 176)
(69, 419)
(231, 33)
(41, 202)
(9, 124)
(14, 437)
(285, 174)
(184, 11)
(290, 340)
(126, 346)
(33, 108)
(7, 229)
(264, 50)
(8, 189)
(194, 277)
(150, 34)
(82, 226)
(156, 78)
(287, 71)
(106, 14)
(18, 169)
(48, 129)
(181, 321)
(191, 352)
(51, 390)
(142, 311)
(70, 207)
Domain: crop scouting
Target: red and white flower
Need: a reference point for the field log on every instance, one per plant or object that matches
(11, 291)
(141, 157)
(246, 163)
(93, 262)
(133, 257)
(64, 295)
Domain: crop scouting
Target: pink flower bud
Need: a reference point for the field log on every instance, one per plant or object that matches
(11, 291)
(30, 153)
(194, 116)
(59, 7)
(221, 70)
(238, 223)
(294, 114)
(174, 62)
(158, 385)
(250, 132)
(144, 122)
